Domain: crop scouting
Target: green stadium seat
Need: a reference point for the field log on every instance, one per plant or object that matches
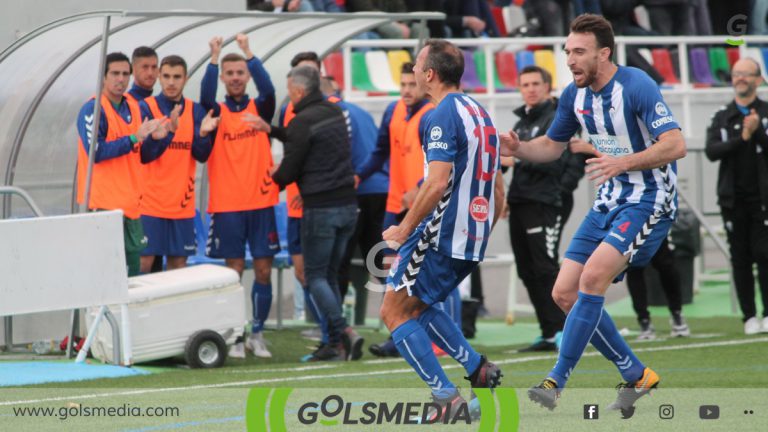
(718, 63)
(361, 80)
(479, 57)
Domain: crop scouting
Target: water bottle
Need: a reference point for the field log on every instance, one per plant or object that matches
(349, 305)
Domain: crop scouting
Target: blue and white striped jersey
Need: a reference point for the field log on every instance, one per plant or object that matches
(461, 132)
(625, 117)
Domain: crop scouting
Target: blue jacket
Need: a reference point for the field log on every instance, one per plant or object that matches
(106, 149)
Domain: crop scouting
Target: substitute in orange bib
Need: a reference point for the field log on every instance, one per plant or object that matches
(144, 61)
(168, 201)
(242, 194)
(115, 178)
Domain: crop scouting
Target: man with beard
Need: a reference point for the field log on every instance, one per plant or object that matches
(737, 138)
(636, 142)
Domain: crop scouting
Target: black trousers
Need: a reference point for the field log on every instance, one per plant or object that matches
(664, 263)
(367, 233)
(748, 240)
(534, 231)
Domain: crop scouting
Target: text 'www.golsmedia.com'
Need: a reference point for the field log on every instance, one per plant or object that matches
(83, 411)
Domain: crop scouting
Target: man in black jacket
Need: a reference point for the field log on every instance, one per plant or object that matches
(317, 157)
(737, 138)
(535, 203)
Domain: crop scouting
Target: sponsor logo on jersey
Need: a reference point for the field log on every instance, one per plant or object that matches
(180, 145)
(661, 109)
(583, 112)
(479, 209)
(437, 145)
(436, 133)
(611, 145)
(240, 135)
(662, 121)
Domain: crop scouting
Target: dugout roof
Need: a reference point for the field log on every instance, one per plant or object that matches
(46, 76)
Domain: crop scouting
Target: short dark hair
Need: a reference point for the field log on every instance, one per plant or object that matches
(407, 68)
(232, 57)
(598, 26)
(307, 77)
(545, 76)
(305, 56)
(446, 59)
(116, 57)
(143, 52)
(173, 61)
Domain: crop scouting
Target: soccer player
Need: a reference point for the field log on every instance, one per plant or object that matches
(242, 193)
(636, 142)
(144, 60)
(444, 234)
(168, 201)
(115, 181)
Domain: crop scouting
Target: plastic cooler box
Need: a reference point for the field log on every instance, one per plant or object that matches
(166, 309)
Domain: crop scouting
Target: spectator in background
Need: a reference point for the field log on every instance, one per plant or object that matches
(700, 22)
(391, 30)
(278, 6)
(551, 17)
(721, 11)
(757, 25)
(330, 6)
(669, 17)
(737, 138)
(457, 23)
(586, 6)
(664, 263)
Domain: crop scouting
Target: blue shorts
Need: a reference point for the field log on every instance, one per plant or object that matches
(230, 231)
(630, 228)
(294, 236)
(171, 237)
(432, 280)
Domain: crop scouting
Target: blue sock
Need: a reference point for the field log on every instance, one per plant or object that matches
(445, 334)
(413, 344)
(612, 345)
(579, 326)
(261, 299)
(453, 306)
(317, 314)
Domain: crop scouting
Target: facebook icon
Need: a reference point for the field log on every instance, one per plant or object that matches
(591, 412)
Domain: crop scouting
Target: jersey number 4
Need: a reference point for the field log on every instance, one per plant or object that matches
(485, 134)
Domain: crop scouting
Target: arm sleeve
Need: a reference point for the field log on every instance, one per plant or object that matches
(380, 154)
(152, 149)
(565, 124)
(649, 106)
(296, 147)
(208, 88)
(201, 146)
(265, 102)
(720, 142)
(442, 135)
(106, 149)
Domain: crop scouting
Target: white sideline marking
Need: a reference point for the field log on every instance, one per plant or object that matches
(382, 361)
(359, 374)
(301, 368)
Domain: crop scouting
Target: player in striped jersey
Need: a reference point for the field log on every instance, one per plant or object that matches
(635, 142)
(445, 232)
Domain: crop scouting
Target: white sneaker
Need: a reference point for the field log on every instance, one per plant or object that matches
(647, 334)
(679, 327)
(751, 326)
(258, 345)
(764, 328)
(237, 350)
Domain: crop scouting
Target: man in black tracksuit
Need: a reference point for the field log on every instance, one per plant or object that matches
(317, 157)
(737, 138)
(535, 202)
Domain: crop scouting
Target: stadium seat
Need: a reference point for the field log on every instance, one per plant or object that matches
(700, 67)
(524, 58)
(334, 66)
(662, 61)
(470, 81)
(718, 62)
(498, 16)
(545, 59)
(479, 57)
(506, 68)
(360, 78)
(733, 55)
(378, 70)
(396, 60)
